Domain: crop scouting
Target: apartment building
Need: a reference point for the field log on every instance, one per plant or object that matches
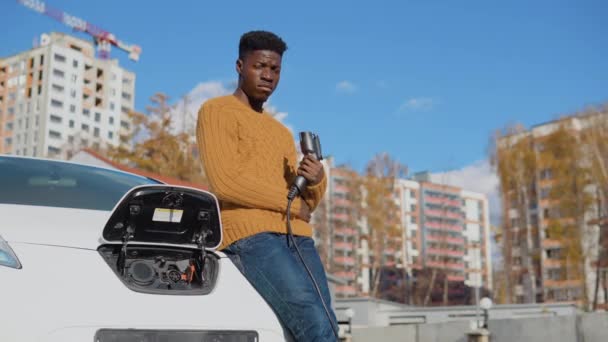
(543, 266)
(57, 98)
(449, 230)
(441, 227)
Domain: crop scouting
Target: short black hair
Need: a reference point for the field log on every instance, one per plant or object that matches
(261, 40)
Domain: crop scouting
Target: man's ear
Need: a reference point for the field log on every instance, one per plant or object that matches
(239, 66)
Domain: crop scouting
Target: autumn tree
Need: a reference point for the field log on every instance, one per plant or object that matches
(381, 210)
(150, 145)
(514, 160)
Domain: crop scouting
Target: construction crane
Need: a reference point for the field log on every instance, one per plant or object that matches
(103, 39)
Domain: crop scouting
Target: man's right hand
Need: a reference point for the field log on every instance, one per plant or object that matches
(304, 213)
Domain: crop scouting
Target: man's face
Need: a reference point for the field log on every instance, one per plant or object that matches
(260, 71)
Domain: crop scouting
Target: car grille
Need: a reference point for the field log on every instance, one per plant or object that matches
(134, 335)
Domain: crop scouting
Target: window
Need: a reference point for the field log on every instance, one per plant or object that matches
(54, 134)
(70, 139)
(37, 120)
(71, 123)
(545, 192)
(86, 112)
(546, 174)
(58, 73)
(56, 103)
(34, 151)
(73, 108)
(59, 58)
(27, 123)
(55, 119)
(412, 207)
(96, 132)
(124, 124)
(412, 219)
(73, 93)
(79, 186)
(97, 117)
(74, 78)
(85, 127)
(8, 141)
(41, 60)
(126, 96)
(40, 75)
(54, 151)
(75, 63)
(126, 81)
(112, 106)
(111, 120)
(125, 110)
(110, 135)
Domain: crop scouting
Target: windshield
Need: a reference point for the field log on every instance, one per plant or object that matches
(57, 184)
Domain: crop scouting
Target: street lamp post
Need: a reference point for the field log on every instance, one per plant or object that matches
(350, 313)
(486, 304)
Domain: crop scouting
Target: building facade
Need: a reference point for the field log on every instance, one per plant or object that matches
(57, 98)
(551, 253)
(441, 227)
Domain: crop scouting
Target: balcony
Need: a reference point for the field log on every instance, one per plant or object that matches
(345, 290)
(340, 189)
(445, 239)
(341, 202)
(456, 278)
(344, 260)
(439, 264)
(551, 243)
(443, 251)
(340, 217)
(345, 246)
(349, 275)
(562, 283)
(444, 226)
(552, 263)
(345, 231)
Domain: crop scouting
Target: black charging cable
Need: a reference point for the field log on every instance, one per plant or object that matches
(290, 197)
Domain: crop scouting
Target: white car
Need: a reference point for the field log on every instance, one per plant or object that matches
(93, 254)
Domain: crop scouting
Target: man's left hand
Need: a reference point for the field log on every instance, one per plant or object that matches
(311, 169)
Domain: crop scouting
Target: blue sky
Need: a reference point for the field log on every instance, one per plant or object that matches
(426, 81)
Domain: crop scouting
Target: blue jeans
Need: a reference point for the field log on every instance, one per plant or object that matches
(277, 273)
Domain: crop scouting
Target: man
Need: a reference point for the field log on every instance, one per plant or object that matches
(251, 161)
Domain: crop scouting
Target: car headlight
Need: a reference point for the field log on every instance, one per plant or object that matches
(7, 256)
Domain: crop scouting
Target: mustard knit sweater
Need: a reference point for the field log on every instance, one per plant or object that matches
(250, 161)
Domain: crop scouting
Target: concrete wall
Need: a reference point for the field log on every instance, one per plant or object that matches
(581, 328)
(554, 329)
(594, 327)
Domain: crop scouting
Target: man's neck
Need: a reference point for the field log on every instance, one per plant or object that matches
(258, 106)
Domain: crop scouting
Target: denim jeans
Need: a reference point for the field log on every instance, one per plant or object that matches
(277, 273)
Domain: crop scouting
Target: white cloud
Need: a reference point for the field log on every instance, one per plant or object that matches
(185, 110)
(418, 104)
(346, 87)
(477, 177)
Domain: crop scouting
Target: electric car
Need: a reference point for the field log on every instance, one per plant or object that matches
(95, 254)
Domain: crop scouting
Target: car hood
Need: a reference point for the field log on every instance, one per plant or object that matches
(67, 227)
